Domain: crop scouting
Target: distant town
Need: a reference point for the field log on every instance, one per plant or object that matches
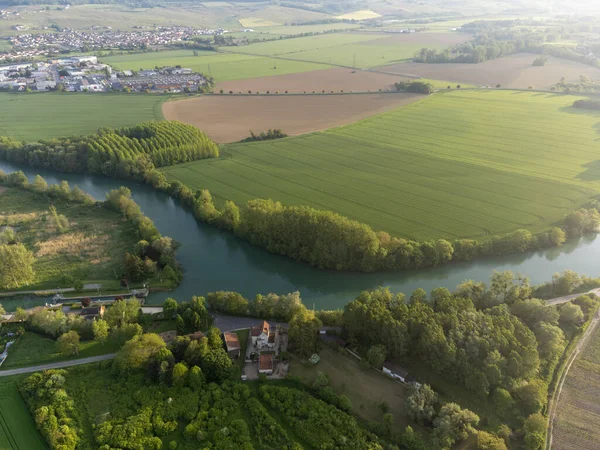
(86, 74)
(29, 46)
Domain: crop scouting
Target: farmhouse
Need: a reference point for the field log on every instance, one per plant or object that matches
(233, 344)
(260, 334)
(265, 364)
(92, 312)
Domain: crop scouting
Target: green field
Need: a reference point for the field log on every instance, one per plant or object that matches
(361, 49)
(34, 116)
(456, 164)
(90, 247)
(32, 349)
(221, 66)
(17, 429)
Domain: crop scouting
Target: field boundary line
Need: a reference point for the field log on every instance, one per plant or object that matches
(553, 403)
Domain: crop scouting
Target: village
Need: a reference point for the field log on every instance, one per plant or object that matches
(32, 45)
(86, 74)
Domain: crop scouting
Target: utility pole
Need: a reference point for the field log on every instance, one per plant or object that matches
(209, 73)
(354, 61)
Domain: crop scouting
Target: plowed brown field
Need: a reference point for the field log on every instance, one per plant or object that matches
(335, 79)
(230, 118)
(515, 71)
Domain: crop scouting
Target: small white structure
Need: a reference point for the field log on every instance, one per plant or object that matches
(260, 335)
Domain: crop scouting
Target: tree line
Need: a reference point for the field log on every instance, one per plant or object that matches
(587, 104)
(328, 240)
(417, 87)
(125, 152)
(498, 342)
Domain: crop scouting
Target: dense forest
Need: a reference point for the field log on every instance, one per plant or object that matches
(124, 152)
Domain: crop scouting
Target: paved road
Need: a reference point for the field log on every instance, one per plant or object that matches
(50, 291)
(58, 365)
(568, 298)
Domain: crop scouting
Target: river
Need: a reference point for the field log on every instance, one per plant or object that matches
(215, 260)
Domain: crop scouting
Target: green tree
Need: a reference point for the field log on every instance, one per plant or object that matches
(180, 372)
(421, 404)
(535, 431)
(137, 353)
(487, 441)
(100, 328)
(16, 266)
(122, 312)
(195, 378)
(532, 396)
(303, 329)
(571, 315)
(179, 325)
(453, 424)
(68, 343)
(377, 355)
(169, 308)
(39, 184)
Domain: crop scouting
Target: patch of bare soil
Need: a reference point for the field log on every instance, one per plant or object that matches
(423, 39)
(335, 79)
(230, 118)
(2, 190)
(515, 71)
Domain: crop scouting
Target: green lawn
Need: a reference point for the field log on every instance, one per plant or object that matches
(34, 116)
(17, 429)
(90, 248)
(456, 164)
(366, 389)
(32, 349)
(221, 66)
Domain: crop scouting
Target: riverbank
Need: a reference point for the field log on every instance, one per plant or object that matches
(215, 260)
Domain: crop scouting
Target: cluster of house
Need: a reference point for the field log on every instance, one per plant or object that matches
(264, 346)
(29, 45)
(86, 74)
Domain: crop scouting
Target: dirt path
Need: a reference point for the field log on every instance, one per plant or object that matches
(553, 404)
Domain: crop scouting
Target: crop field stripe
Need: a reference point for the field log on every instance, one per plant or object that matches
(427, 167)
(337, 195)
(434, 206)
(341, 188)
(446, 166)
(491, 190)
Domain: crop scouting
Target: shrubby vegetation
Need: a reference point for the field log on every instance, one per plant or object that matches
(153, 253)
(124, 153)
(269, 135)
(52, 409)
(417, 87)
(587, 104)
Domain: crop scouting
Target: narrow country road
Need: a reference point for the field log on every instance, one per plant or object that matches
(568, 298)
(58, 365)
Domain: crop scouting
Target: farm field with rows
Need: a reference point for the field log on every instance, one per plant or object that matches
(458, 164)
(360, 50)
(221, 66)
(577, 422)
(57, 114)
(17, 429)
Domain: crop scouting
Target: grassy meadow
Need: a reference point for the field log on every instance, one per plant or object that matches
(221, 66)
(577, 424)
(17, 429)
(456, 164)
(90, 248)
(33, 349)
(37, 116)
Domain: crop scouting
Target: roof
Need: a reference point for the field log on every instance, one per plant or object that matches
(231, 341)
(196, 336)
(265, 362)
(93, 310)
